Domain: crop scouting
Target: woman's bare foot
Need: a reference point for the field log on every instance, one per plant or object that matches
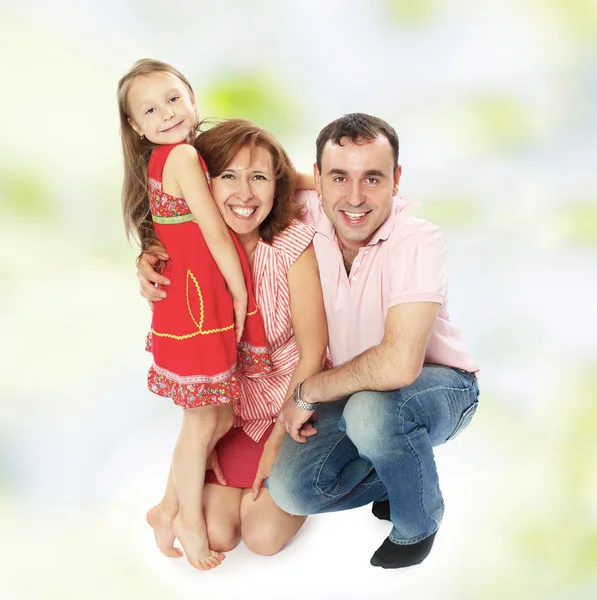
(160, 520)
(196, 546)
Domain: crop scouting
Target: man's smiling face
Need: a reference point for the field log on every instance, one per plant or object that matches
(356, 183)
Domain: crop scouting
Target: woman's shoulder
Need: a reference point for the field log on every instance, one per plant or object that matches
(292, 241)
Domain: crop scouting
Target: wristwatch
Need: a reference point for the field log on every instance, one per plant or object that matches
(297, 398)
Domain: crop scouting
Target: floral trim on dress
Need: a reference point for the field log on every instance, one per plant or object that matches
(149, 341)
(193, 395)
(165, 205)
(252, 359)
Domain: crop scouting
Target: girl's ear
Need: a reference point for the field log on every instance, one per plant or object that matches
(135, 126)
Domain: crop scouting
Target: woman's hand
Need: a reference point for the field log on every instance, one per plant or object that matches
(266, 463)
(148, 276)
(213, 464)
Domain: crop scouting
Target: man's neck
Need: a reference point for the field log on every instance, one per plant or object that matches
(349, 252)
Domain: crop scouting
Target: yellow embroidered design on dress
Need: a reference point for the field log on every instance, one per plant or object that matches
(199, 325)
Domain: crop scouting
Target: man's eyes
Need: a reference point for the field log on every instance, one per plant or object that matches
(372, 180)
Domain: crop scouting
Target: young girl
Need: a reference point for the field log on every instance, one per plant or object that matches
(210, 305)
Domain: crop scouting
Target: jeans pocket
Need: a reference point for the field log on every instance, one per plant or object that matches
(464, 420)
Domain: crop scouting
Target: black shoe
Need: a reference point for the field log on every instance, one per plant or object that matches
(381, 509)
(394, 556)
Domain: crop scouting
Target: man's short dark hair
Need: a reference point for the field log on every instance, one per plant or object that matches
(358, 128)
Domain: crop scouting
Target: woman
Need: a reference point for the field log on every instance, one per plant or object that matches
(253, 182)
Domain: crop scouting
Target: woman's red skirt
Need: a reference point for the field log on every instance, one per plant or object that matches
(239, 456)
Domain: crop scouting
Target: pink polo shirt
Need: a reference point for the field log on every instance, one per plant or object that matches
(405, 261)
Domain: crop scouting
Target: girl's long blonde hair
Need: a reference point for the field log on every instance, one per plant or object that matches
(135, 199)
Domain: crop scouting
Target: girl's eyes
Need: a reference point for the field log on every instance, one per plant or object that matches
(152, 110)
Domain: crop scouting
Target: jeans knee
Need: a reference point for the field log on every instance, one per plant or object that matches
(281, 491)
(366, 418)
(291, 491)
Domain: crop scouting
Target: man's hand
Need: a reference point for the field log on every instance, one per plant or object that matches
(213, 464)
(295, 420)
(148, 276)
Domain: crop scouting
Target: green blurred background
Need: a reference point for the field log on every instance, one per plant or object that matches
(495, 104)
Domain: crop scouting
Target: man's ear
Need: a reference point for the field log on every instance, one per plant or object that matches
(135, 127)
(397, 175)
(317, 177)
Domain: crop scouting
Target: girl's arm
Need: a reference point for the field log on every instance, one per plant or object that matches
(311, 332)
(186, 171)
(305, 181)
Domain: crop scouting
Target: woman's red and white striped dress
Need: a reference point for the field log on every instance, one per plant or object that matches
(262, 394)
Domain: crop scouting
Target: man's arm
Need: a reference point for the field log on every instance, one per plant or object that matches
(395, 363)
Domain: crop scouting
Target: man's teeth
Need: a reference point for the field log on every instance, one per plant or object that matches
(354, 216)
(243, 212)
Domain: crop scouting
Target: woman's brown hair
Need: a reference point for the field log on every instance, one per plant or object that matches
(220, 144)
(135, 200)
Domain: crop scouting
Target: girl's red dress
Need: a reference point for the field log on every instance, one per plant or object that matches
(192, 337)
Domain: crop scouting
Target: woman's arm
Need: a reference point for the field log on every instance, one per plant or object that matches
(305, 181)
(308, 321)
(310, 329)
(185, 168)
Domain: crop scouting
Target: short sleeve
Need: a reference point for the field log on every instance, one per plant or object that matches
(419, 269)
(293, 241)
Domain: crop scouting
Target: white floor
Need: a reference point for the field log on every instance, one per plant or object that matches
(79, 529)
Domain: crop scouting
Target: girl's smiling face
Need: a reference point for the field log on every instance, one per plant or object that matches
(162, 108)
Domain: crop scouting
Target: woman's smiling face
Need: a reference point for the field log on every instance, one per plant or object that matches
(244, 191)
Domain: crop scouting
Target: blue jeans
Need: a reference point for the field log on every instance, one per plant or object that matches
(378, 446)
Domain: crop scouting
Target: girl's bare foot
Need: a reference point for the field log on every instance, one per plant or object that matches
(160, 520)
(196, 546)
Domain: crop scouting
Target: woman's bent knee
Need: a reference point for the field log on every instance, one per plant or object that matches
(223, 537)
(264, 542)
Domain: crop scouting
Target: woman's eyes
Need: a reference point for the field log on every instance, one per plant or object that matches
(231, 176)
(174, 98)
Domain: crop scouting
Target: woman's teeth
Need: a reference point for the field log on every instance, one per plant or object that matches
(242, 212)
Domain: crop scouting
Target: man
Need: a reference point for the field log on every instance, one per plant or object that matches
(402, 380)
